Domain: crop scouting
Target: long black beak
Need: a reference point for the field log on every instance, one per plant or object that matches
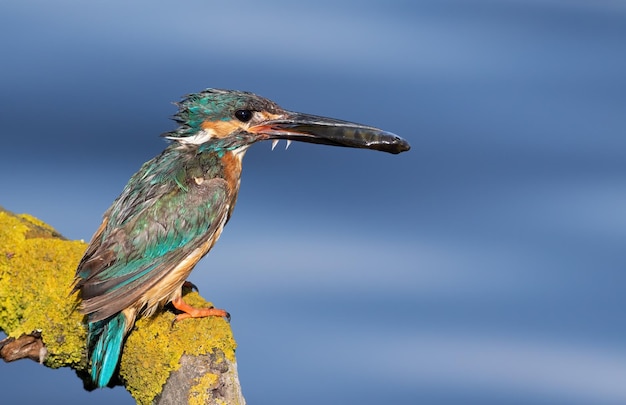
(329, 131)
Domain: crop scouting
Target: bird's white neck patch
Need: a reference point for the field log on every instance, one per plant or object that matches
(199, 138)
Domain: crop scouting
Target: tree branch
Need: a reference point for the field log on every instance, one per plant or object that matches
(191, 361)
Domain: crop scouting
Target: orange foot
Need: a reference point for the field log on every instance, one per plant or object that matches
(190, 312)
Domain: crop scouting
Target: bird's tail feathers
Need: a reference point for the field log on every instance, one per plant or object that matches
(105, 339)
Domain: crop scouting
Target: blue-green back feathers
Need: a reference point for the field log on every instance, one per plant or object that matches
(152, 226)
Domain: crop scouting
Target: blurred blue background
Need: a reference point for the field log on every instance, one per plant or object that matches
(484, 266)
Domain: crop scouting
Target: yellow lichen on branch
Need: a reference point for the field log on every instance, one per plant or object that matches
(35, 287)
(37, 267)
(158, 345)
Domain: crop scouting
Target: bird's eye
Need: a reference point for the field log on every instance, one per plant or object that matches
(243, 115)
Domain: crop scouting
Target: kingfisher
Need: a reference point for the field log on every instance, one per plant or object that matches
(173, 210)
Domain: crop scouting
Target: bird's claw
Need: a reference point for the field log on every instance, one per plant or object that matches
(191, 286)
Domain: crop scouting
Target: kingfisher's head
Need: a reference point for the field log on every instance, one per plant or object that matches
(247, 118)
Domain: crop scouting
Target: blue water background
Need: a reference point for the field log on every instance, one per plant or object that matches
(486, 266)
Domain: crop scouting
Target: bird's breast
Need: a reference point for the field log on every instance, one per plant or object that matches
(231, 163)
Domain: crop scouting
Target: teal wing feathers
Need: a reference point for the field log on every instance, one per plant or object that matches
(135, 248)
(105, 342)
